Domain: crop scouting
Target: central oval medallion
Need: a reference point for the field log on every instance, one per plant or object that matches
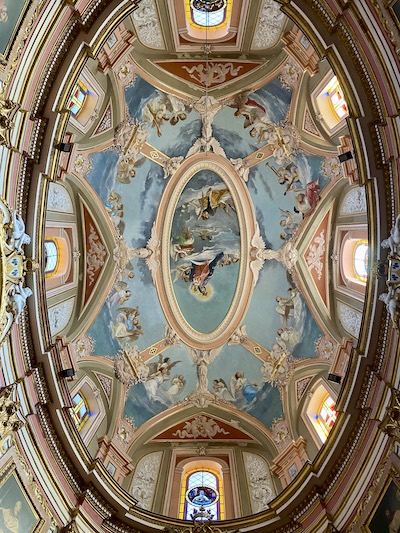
(205, 251)
(205, 223)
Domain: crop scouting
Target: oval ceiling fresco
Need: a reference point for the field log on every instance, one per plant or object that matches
(205, 251)
(205, 222)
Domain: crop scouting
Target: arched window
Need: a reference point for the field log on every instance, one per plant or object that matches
(360, 260)
(208, 13)
(78, 98)
(335, 93)
(320, 412)
(51, 256)
(202, 488)
(354, 258)
(80, 410)
(326, 417)
(329, 104)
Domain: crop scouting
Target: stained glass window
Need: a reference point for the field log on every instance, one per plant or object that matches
(360, 260)
(208, 13)
(51, 256)
(327, 416)
(202, 488)
(80, 410)
(338, 102)
(78, 98)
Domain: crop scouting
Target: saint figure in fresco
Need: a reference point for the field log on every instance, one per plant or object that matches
(242, 389)
(207, 205)
(9, 518)
(201, 272)
(201, 498)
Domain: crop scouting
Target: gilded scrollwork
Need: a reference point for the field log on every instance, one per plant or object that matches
(8, 110)
(391, 423)
(10, 419)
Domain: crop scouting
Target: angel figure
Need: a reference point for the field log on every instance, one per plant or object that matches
(241, 389)
(202, 359)
(221, 390)
(126, 327)
(119, 294)
(17, 235)
(150, 253)
(164, 365)
(393, 241)
(287, 255)
(247, 107)
(285, 307)
(127, 165)
(177, 385)
(17, 296)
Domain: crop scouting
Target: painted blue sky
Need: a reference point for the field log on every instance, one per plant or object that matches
(140, 199)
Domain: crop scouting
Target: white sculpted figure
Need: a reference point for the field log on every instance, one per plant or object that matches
(17, 295)
(393, 241)
(391, 299)
(18, 237)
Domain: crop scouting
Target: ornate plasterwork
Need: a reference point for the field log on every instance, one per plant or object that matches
(325, 348)
(60, 314)
(13, 269)
(216, 73)
(96, 254)
(270, 24)
(59, 199)
(82, 165)
(350, 319)
(316, 254)
(301, 386)
(309, 124)
(8, 110)
(83, 347)
(10, 420)
(144, 480)
(200, 427)
(332, 168)
(391, 423)
(281, 434)
(106, 383)
(259, 481)
(391, 298)
(126, 73)
(290, 74)
(355, 201)
(105, 122)
(147, 25)
(163, 279)
(287, 255)
(123, 254)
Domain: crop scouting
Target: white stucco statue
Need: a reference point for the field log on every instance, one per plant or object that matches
(391, 299)
(393, 241)
(18, 237)
(17, 296)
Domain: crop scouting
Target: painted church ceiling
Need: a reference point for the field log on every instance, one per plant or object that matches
(206, 198)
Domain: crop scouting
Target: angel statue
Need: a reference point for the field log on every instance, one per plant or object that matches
(17, 236)
(123, 254)
(287, 255)
(201, 397)
(17, 296)
(393, 241)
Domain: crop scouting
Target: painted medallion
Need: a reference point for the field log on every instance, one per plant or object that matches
(205, 251)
